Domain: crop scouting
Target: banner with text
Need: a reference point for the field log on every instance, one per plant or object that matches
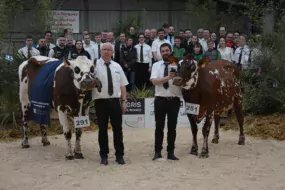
(64, 20)
(140, 114)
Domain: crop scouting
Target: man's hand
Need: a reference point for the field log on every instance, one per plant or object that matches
(124, 107)
(171, 75)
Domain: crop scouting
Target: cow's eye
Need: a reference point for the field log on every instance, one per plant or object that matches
(92, 69)
(77, 70)
(192, 67)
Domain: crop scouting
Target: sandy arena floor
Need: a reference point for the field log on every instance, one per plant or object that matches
(256, 166)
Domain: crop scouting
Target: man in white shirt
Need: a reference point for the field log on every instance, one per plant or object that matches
(97, 45)
(48, 37)
(157, 43)
(88, 47)
(28, 51)
(241, 54)
(167, 102)
(144, 62)
(204, 41)
(108, 104)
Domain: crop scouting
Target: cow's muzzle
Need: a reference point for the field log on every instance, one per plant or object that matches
(87, 84)
(178, 81)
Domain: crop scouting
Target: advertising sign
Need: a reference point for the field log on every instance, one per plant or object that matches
(65, 19)
(134, 116)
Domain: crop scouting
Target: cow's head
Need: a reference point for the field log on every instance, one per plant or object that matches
(83, 72)
(187, 76)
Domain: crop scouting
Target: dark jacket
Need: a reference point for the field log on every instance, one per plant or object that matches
(188, 47)
(117, 52)
(129, 57)
(43, 50)
(60, 53)
(75, 53)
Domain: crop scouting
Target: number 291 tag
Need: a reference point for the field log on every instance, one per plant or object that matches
(81, 121)
(192, 108)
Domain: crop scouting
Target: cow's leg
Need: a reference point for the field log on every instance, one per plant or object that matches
(240, 118)
(77, 148)
(194, 129)
(206, 131)
(25, 113)
(45, 140)
(67, 134)
(217, 126)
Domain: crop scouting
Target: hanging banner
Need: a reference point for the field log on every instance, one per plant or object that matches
(65, 20)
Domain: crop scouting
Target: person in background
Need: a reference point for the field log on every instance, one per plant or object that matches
(236, 35)
(104, 36)
(222, 32)
(148, 39)
(194, 40)
(178, 51)
(182, 34)
(200, 33)
(230, 40)
(133, 34)
(97, 45)
(226, 52)
(187, 43)
(69, 45)
(43, 49)
(110, 103)
(241, 55)
(79, 51)
(170, 37)
(28, 51)
(213, 37)
(88, 47)
(157, 43)
(48, 37)
(143, 64)
(212, 53)
(128, 62)
(204, 41)
(118, 47)
(153, 34)
(198, 51)
(61, 50)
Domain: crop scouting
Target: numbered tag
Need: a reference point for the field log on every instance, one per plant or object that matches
(192, 108)
(81, 121)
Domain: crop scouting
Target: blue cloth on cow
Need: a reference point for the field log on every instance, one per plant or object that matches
(41, 93)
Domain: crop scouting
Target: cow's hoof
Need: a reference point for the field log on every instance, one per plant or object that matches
(78, 155)
(204, 154)
(241, 140)
(215, 140)
(45, 142)
(25, 146)
(194, 151)
(69, 157)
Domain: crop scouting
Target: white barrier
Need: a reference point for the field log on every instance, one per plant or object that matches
(140, 114)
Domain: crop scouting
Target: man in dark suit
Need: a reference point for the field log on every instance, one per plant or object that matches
(118, 47)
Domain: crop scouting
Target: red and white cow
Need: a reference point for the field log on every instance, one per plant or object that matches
(70, 95)
(209, 89)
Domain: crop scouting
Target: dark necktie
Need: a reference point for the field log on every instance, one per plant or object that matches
(166, 85)
(141, 55)
(99, 54)
(110, 81)
(239, 59)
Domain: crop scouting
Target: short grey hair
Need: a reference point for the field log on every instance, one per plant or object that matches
(107, 43)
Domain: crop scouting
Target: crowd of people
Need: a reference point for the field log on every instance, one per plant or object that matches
(136, 52)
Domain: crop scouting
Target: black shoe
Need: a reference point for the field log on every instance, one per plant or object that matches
(120, 160)
(157, 155)
(171, 156)
(104, 161)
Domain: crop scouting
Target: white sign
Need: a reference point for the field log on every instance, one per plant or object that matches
(65, 20)
(192, 108)
(81, 121)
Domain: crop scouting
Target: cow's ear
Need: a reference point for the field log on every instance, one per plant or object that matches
(95, 62)
(66, 62)
(203, 62)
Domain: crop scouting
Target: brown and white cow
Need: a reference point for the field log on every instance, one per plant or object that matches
(209, 89)
(70, 95)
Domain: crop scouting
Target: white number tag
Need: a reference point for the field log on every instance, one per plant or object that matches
(81, 121)
(192, 108)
